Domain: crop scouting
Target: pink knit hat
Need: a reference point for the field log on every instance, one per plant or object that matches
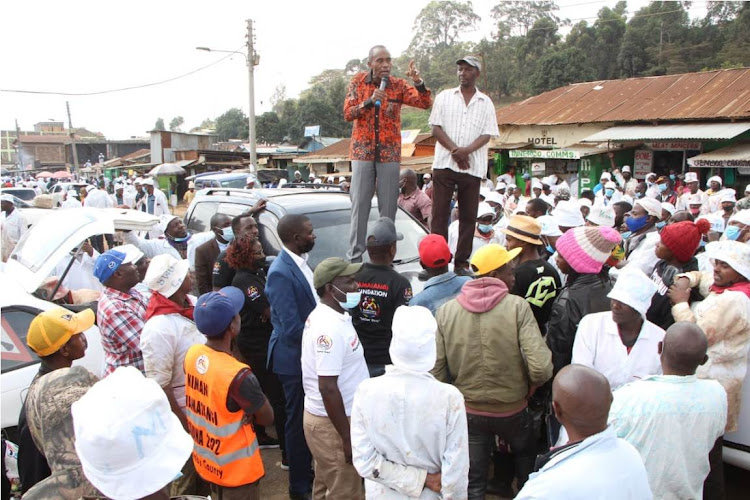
(587, 248)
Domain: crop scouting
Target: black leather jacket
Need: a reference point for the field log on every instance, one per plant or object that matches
(585, 295)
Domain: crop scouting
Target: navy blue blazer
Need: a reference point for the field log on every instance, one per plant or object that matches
(292, 301)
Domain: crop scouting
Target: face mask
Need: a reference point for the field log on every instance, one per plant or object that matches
(728, 209)
(609, 192)
(484, 228)
(695, 211)
(227, 233)
(732, 232)
(352, 299)
(672, 176)
(636, 223)
(181, 240)
(550, 249)
(702, 244)
(639, 195)
(662, 188)
(259, 263)
(661, 224)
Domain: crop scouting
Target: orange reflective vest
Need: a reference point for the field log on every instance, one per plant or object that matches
(225, 451)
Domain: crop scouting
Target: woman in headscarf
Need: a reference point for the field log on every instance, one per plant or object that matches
(724, 315)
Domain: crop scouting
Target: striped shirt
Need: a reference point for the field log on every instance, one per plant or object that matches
(120, 317)
(463, 124)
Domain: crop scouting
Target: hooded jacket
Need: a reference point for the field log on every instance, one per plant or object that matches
(489, 346)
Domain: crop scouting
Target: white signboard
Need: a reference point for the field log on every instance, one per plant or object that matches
(547, 154)
(644, 162)
(537, 168)
(674, 145)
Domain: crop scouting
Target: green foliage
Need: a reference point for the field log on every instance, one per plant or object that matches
(440, 23)
(159, 125)
(232, 125)
(176, 123)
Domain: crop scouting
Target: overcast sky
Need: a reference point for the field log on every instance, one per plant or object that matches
(87, 46)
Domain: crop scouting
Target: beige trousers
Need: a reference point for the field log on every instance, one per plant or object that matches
(334, 478)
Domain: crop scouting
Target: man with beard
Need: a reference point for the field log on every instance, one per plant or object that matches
(292, 296)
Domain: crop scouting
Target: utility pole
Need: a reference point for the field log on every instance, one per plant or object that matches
(72, 139)
(20, 146)
(252, 60)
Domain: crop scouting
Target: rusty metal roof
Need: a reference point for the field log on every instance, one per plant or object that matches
(711, 95)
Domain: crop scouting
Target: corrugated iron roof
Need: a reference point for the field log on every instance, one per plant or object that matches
(337, 150)
(700, 131)
(730, 156)
(723, 94)
(44, 139)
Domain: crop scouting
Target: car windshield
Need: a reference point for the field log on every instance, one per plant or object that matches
(234, 183)
(22, 194)
(332, 235)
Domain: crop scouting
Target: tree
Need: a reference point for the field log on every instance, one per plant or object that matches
(159, 125)
(267, 128)
(233, 124)
(279, 95)
(559, 68)
(519, 16)
(176, 123)
(440, 23)
(207, 124)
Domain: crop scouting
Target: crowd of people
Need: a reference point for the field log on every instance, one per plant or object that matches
(561, 346)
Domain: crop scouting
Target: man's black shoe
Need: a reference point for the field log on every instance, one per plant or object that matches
(266, 442)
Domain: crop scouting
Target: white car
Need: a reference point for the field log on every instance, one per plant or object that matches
(47, 243)
(58, 191)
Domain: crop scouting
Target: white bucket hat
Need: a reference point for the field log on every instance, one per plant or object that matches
(743, 217)
(633, 288)
(568, 214)
(651, 206)
(128, 440)
(584, 202)
(494, 197)
(735, 253)
(165, 274)
(484, 209)
(549, 226)
(164, 221)
(715, 178)
(691, 177)
(413, 344)
(500, 185)
(602, 216)
(665, 205)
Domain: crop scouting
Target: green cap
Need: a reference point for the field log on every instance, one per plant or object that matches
(331, 268)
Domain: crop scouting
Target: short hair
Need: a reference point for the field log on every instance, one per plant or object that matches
(291, 225)
(626, 207)
(215, 219)
(588, 194)
(374, 49)
(538, 204)
(236, 221)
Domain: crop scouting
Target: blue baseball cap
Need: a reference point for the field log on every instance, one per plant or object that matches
(108, 262)
(215, 311)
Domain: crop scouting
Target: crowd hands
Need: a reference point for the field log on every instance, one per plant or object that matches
(580, 347)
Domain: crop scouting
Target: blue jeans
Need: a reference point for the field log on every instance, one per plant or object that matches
(297, 453)
(516, 430)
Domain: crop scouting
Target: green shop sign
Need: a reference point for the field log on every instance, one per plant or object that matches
(549, 154)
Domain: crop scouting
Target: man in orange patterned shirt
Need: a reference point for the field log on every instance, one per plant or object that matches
(375, 149)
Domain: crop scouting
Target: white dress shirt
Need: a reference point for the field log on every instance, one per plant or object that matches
(598, 345)
(301, 261)
(404, 425)
(463, 124)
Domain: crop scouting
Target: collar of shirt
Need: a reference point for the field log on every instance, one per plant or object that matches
(672, 379)
(300, 260)
(478, 95)
(606, 434)
(611, 328)
(133, 294)
(411, 195)
(222, 246)
(334, 314)
(440, 279)
(368, 78)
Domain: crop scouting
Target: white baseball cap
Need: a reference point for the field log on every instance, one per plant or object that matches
(568, 214)
(484, 209)
(602, 216)
(129, 442)
(147, 182)
(691, 177)
(494, 197)
(166, 274)
(549, 226)
(500, 185)
(626, 168)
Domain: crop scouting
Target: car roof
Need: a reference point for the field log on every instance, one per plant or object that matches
(281, 200)
(222, 176)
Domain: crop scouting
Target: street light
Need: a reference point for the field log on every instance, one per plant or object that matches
(252, 59)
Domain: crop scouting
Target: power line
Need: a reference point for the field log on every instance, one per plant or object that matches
(123, 89)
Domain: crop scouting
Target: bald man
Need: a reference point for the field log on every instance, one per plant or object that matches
(595, 463)
(675, 419)
(412, 199)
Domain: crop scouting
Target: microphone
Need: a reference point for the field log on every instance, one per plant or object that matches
(383, 83)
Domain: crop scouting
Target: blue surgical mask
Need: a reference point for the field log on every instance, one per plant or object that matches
(550, 249)
(732, 232)
(609, 192)
(661, 224)
(672, 176)
(352, 299)
(662, 188)
(484, 228)
(636, 223)
(227, 233)
(639, 195)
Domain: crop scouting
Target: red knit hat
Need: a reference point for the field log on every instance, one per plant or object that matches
(683, 238)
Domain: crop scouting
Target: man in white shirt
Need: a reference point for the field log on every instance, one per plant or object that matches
(333, 365)
(463, 120)
(691, 180)
(409, 431)
(71, 199)
(14, 224)
(155, 202)
(81, 273)
(621, 344)
(674, 419)
(594, 463)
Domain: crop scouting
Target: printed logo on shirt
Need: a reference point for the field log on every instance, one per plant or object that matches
(67, 317)
(369, 307)
(253, 293)
(355, 342)
(324, 343)
(541, 291)
(408, 294)
(201, 364)
(217, 267)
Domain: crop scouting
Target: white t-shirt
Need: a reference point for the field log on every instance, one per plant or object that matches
(598, 346)
(331, 348)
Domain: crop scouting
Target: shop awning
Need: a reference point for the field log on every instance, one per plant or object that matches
(734, 156)
(701, 131)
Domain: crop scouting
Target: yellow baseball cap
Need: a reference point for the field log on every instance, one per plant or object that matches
(52, 329)
(491, 257)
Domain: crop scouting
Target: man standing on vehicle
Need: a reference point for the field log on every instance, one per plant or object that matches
(373, 102)
(291, 293)
(463, 120)
(121, 310)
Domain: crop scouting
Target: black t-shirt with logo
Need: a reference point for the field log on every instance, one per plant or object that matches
(254, 332)
(222, 273)
(537, 282)
(383, 290)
